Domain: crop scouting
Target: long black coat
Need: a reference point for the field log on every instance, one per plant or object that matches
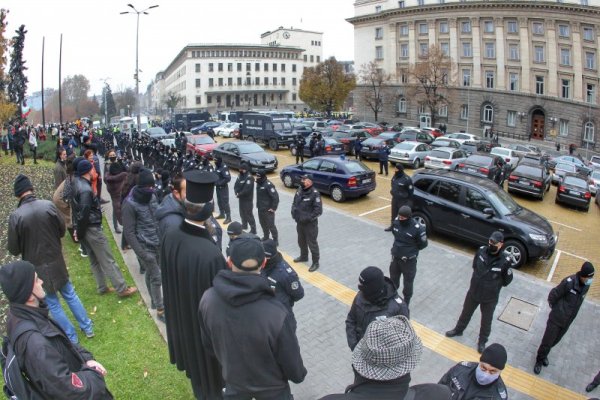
(189, 261)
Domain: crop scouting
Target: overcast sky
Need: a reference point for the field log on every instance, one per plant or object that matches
(99, 43)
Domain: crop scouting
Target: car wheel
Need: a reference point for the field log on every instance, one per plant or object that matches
(273, 145)
(250, 139)
(516, 252)
(587, 208)
(288, 182)
(337, 194)
(293, 151)
(416, 163)
(423, 220)
(542, 195)
(352, 151)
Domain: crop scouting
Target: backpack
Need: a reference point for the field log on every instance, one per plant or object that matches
(16, 384)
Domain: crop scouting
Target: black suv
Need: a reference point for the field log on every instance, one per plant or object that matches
(471, 208)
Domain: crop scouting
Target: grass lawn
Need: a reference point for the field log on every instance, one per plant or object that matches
(127, 340)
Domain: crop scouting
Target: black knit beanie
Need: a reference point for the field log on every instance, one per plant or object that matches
(17, 279)
(495, 355)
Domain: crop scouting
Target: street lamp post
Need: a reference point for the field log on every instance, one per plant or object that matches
(105, 101)
(137, 70)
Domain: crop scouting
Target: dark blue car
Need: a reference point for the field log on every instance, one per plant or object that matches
(337, 177)
(205, 127)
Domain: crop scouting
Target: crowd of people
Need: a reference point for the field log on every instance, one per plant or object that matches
(226, 313)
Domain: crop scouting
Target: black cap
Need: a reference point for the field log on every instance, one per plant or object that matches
(244, 249)
(83, 167)
(405, 212)
(371, 282)
(245, 166)
(145, 178)
(270, 248)
(587, 270)
(17, 279)
(200, 186)
(497, 237)
(399, 167)
(495, 355)
(261, 172)
(234, 228)
(22, 185)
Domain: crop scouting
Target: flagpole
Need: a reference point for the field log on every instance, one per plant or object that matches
(59, 81)
(43, 104)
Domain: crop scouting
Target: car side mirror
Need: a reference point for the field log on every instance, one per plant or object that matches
(489, 212)
(236, 152)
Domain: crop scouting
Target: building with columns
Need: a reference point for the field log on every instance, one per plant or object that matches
(528, 69)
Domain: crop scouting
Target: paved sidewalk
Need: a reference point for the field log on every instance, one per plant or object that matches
(349, 244)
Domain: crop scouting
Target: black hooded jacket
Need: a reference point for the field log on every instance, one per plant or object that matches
(246, 326)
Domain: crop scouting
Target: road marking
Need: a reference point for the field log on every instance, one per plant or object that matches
(384, 198)
(554, 264)
(521, 381)
(573, 255)
(566, 226)
(375, 210)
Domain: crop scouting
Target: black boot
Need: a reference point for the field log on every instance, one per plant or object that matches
(453, 332)
(314, 267)
(227, 219)
(220, 216)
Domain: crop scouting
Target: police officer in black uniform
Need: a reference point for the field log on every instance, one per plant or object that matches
(244, 191)
(409, 238)
(299, 143)
(306, 209)
(383, 154)
(402, 191)
(482, 380)
(565, 301)
(267, 200)
(222, 189)
(205, 164)
(491, 272)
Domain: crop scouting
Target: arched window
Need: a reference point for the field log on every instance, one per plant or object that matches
(402, 105)
(588, 132)
(488, 113)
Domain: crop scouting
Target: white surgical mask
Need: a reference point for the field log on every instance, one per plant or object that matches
(484, 378)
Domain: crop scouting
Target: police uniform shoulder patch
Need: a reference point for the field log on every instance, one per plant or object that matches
(417, 226)
(318, 199)
(295, 285)
(509, 272)
(289, 270)
(502, 393)
(465, 363)
(273, 190)
(569, 279)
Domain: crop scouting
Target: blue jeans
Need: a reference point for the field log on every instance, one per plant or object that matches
(70, 296)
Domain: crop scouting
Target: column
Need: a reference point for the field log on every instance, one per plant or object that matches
(525, 56)
(552, 58)
(578, 61)
(476, 52)
(454, 45)
(431, 32)
(391, 44)
(412, 52)
(500, 57)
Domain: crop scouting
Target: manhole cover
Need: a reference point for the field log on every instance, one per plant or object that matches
(519, 313)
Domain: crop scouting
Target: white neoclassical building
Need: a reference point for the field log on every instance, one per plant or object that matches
(525, 68)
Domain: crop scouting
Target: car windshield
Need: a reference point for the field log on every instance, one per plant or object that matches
(404, 146)
(575, 181)
(478, 160)
(499, 151)
(566, 167)
(372, 142)
(503, 203)
(330, 141)
(441, 143)
(282, 126)
(355, 166)
(202, 140)
(529, 170)
(247, 148)
(385, 135)
(339, 135)
(156, 131)
(408, 135)
(596, 174)
(440, 154)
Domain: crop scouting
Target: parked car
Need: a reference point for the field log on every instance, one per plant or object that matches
(445, 142)
(595, 162)
(234, 153)
(370, 147)
(523, 150)
(341, 179)
(203, 128)
(395, 136)
(594, 182)
(561, 169)
(536, 159)
(155, 132)
(483, 165)
(201, 144)
(372, 128)
(463, 137)
(410, 153)
(509, 155)
(332, 147)
(573, 190)
(472, 147)
(301, 129)
(445, 158)
(471, 208)
(231, 129)
(530, 179)
(315, 125)
(435, 132)
(580, 165)
(347, 138)
(416, 136)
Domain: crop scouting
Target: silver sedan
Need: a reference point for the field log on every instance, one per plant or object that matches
(445, 158)
(410, 153)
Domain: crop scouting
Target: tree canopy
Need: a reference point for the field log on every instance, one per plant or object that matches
(17, 81)
(171, 100)
(325, 87)
(375, 82)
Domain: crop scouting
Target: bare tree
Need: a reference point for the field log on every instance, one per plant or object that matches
(376, 85)
(431, 81)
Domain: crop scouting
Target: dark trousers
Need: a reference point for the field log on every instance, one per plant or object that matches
(487, 314)
(283, 394)
(246, 215)
(398, 202)
(267, 223)
(19, 154)
(223, 200)
(596, 380)
(552, 336)
(408, 269)
(153, 277)
(299, 155)
(34, 153)
(307, 239)
(383, 166)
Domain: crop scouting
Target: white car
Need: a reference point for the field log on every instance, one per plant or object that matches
(445, 158)
(509, 155)
(594, 185)
(411, 153)
(595, 161)
(462, 137)
(230, 130)
(219, 129)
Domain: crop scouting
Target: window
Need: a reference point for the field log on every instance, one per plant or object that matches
(490, 50)
(197, 83)
(229, 81)
(274, 81)
(488, 26)
(565, 56)
(379, 52)
(283, 67)
(423, 183)
(423, 29)
(266, 80)
(197, 69)
(465, 27)
(475, 200)
(404, 50)
(266, 67)
(312, 58)
(512, 27)
(401, 105)
(588, 33)
(423, 49)
(539, 84)
(248, 67)
(538, 54)
(538, 28)
(248, 81)
(421, 2)
(464, 111)
(305, 58)
(378, 33)
(513, 52)
(565, 88)
(447, 191)
(293, 81)
(211, 67)
(282, 81)
(239, 81)
(220, 81)
(513, 78)
(401, 4)
(590, 60)
(445, 48)
(327, 166)
(274, 67)
(377, 9)
(293, 67)
(489, 79)
(511, 118)
(443, 26)
(211, 82)
(466, 73)
(563, 127)
(590, 93)
(198, 99)
(588, 133)
(257, 80)
(563, 30)
(311, 165)
(239, 67)
(584, 2)
(220, 65)
(488, 113)
(466, 49)
(209, 99)
(443, 111)
(294, 97)
(404, 30)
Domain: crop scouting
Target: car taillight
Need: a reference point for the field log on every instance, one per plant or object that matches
(588, 195)
(352, 181)
(346, 141)
(461, 165)
(537, 184)
(507, 159)
(561, 188)
(427, 158)
(327, 148)
(484, 170)
(447, 162)
(512, 178)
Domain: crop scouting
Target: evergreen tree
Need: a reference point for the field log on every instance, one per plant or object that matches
(3, 50)
(110, 102)
(17, 81)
